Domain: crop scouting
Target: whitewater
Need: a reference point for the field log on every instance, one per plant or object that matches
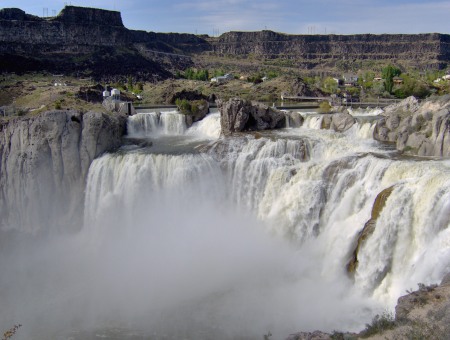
(200, 236)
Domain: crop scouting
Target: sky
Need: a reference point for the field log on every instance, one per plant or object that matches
(215, 17)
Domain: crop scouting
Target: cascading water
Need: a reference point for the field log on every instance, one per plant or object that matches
(252, 235)
(156, 123)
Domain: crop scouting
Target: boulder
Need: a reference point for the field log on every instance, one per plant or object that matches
(341, 122)
(238, 115)
(406, 106)
(295, 119)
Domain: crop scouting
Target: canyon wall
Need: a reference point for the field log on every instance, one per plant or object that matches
(81, 39)
(44, 161)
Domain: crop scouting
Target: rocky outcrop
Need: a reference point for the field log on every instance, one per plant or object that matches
(44, 161)
(295, 119)
(420, 314)
(418, 129)
(369, 227)
(198, 110)
(342, 121)
(238, 115)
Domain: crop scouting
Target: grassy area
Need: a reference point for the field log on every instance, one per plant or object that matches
(33, 93)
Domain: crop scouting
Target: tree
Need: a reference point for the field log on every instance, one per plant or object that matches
(330, 85)
(389, 72)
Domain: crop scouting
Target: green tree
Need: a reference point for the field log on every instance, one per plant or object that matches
(130, 84)
(330, 85)
(389, 72)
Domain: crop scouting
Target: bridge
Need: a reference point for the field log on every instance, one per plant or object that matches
(304, 98)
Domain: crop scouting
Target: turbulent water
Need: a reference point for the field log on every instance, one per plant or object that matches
(204, 237)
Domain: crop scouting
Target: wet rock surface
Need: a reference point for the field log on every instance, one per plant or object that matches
(237, 115)
(44, 161)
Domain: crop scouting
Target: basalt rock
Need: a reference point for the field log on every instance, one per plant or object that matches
(295, 119)
(238, 115)
(342, 121)
(421, 130)
(44, 161)
(198, 110)
(369, 227)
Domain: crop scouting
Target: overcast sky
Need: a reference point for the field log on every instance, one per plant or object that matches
(288, 16)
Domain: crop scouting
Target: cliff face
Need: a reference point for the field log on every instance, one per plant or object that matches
(78, 39)
(44, 161)
(426, 50)
(81, 39)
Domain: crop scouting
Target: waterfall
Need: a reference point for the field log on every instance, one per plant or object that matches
(365, 112)
(128, 182)
(208, 127)
(145, 124)
(313, 122)
(251, 235)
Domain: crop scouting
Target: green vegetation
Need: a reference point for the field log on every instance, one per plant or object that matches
(388, 74)
(194, 74)
(411, 87)
(330, 85)
(324, 107)
(256, 78)
(190, 107)
(380, 324)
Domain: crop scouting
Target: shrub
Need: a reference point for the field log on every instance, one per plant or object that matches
(10, 332)
(324, 107)
(194, 74)
(183, 106)
(380, 323)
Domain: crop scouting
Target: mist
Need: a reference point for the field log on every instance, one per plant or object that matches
(170, 256)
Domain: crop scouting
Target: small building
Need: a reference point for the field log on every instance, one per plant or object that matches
(221, 79)
(377, 79)
(350, 79)
(115, 94)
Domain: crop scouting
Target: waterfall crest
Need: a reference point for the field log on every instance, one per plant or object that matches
(144, 124)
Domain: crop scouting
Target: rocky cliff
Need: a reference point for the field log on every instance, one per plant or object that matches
(418, 50)
(44, 161)
(81, 39)
(419, 129)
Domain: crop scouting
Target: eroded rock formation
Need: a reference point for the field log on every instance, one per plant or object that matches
(44, 161)
(418, 129)
(238, 115)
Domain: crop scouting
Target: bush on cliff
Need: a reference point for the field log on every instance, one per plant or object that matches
(191, 107)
